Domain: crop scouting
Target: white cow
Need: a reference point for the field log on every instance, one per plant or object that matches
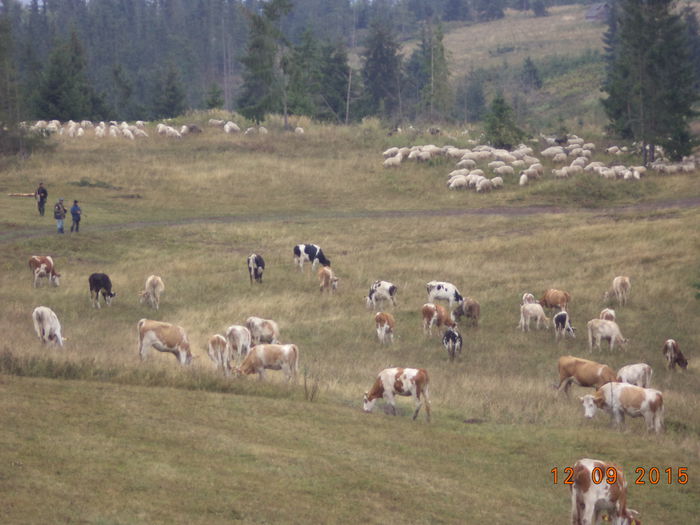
(220, 353)
(444, 291)
(381, 291)
(152, 290)
(599, 329)
(638, 374)
(262, 330)
(47, 326)
(240, 339)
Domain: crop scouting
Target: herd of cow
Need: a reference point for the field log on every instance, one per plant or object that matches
(256, 346)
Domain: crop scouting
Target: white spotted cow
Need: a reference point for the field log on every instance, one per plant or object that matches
(271, 357)
(599, 487)
(42, 267)
(620, 399)
(164, 337)
(443, 291)
(262, 330)
(562, 326)
(309, 253)
(47, 326)
(638, 374)
(381, 291)
(256, 266)
(403, 382)
(452, 341)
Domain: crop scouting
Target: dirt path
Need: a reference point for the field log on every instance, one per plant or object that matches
(689, 202)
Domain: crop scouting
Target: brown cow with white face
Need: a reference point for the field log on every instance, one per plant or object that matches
(403, 382)
(622, 398)
(164, 337)
(435, 315)
(673, 355)
(42, 267)
(585, 373)
(385, 324)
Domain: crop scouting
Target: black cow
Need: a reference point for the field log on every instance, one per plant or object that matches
(311, 253)
(562, 326)
(452, 341)
(100, 282)
(256, 266)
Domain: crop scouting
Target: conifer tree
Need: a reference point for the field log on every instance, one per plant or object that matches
(215, 97)
(530, 76)
(334, 82)
(500, 128)
(382, 70)
(169, 95)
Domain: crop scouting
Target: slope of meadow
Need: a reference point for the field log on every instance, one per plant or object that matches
(105, 438)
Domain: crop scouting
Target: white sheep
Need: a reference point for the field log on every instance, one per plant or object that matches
(504, 170)
(497, 182)
(393, 162)
(458, 182)
(523, 179)
(484, 185)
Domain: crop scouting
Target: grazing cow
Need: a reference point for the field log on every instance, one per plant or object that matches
(621, 398)
(443, 291)
(46, 325)
(452, 341)
(553, 298)
(607, 314)
(256, 266)
(385, 327)
(151, 293)
(589, 500)
(272, 357)
(470, 308)
(638, 375)
(220, 353)
(263, 330)
(100, 282)
(239, 339)
(435, 315)
(599, 329)
(327, 280)
(381, 291)
(531, 311)
(42, 266)
(621, 287)
(309, 253)
(673, 355)
(528, 298)
(585, 373)
(403, 382)
(562, 326)
(164, 337)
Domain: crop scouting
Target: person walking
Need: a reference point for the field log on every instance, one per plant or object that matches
(59, 213)
(75, 213)
(41, 195)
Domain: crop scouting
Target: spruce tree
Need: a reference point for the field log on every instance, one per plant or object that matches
(214, 98)
(500, 128)
(382, 70)
(334, 82)
(650, 80)
(530, 76)
(169, 95)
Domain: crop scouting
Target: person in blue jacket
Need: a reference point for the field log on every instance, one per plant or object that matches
(75, 213)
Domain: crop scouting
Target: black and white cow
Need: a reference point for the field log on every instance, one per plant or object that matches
(444, 291)
(256, 266)
(100, 282)
(380, 291)
(562, 326)
(452, 341)
(309, 253)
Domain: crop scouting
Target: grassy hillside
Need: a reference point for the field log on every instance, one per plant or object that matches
(105, 438)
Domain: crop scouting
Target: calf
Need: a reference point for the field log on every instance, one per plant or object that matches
(100, 282)
(403, 382)
(309, 253)
(381, 291)
(638, 374)
(585, 373)
(256, 266)
(531, 311)
(590, 498)
(435, 315)
(239, 339)
(42, 266)
(599, 329)
(385, 327)
(220, 353)
(608, 314)
(271, 357)
(262, 330)
(46, 325)
(151, 293)
(470, 308)
(621, 398)
(452, 341)
(621, 287)
(327, 280)
(443, 291)
(673, 355)
(553, 298)
(164, 337)
(562, 326)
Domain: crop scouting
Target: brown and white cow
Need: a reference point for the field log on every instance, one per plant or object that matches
(385, 324)
(470, 308)
(553, 298)
(435, 315)
(239, 339)
(47, 326)
(262, 330)
(42, 266)
(327, 280)
(271, 357)
(599, 329)
(164, 337)
(607, 314)
(585, 373)
(591, 497)
(638, 374)
(673, 355)
(621, 287)
(403, 382)
(220, 353)
(151, 293)
(619, 399)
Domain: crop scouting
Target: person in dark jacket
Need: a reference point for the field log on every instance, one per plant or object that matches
(75, 213)
(41, 195)
(59, 213)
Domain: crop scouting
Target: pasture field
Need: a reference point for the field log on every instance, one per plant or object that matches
(90, 434)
